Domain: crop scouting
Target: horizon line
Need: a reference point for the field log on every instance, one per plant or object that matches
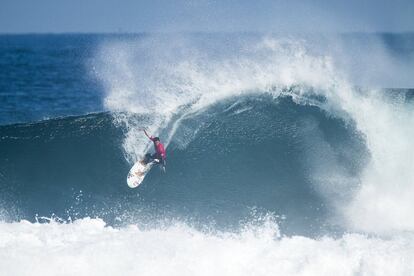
(201, 32)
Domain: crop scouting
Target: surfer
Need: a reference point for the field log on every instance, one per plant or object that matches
(160, 155)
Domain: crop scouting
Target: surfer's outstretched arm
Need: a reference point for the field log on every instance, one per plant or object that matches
(146, 134)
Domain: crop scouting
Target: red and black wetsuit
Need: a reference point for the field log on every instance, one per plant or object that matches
(159, 151)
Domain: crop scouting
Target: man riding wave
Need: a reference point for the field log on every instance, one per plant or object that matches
(159, 156)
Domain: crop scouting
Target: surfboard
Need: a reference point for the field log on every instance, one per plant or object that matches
(137, 173)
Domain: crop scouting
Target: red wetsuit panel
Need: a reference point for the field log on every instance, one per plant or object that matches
(159, 149)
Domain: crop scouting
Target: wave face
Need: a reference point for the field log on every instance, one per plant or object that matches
(249, 154)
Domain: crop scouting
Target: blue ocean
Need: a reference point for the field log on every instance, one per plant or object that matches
(286, 154)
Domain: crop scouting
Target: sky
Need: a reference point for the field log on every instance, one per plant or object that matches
(282, 16)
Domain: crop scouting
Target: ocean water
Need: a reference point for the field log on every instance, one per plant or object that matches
(287, 155)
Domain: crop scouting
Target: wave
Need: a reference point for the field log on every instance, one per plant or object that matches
(238, 155)
(276, 163)
(173, 79)
(230, 125)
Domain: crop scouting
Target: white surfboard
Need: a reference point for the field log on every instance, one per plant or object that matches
(137, 173)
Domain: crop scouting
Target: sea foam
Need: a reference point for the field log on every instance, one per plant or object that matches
(88, 247)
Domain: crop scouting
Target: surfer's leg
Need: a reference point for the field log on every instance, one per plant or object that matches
(154, 156)
(158, 160)
(147, 158)
(163, 164)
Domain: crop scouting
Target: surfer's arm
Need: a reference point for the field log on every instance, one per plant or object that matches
(146, 134)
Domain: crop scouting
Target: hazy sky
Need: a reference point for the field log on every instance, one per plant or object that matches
(25, 16)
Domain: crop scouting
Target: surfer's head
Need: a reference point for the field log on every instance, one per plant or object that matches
(156, 140)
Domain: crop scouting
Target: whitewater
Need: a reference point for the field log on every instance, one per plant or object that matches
(282, 160)
(87, 247)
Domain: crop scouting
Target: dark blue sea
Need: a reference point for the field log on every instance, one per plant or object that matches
(286, 154)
